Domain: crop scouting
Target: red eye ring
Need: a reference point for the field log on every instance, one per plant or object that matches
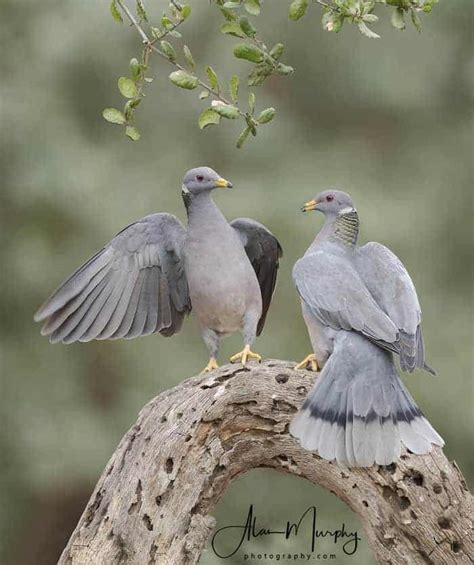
(329, 198)
(199, 178)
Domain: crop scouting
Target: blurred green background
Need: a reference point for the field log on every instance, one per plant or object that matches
(388, 120)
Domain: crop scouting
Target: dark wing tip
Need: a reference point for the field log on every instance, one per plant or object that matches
(430, 370)
(264, 251)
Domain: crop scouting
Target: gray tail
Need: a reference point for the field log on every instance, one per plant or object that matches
(359, 411)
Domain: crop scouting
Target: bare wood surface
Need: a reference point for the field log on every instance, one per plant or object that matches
(153, 502)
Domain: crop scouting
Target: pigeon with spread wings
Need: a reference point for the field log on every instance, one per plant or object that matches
(149, 277)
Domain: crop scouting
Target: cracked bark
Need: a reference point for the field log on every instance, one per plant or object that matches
(153, 502)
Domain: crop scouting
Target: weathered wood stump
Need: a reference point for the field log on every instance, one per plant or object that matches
(153, 502)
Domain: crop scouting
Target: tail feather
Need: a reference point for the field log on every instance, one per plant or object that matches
(359, 411)
(349, 449)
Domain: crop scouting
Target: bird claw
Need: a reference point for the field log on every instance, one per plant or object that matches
(210, 366)
(244, 355)
(309, 363)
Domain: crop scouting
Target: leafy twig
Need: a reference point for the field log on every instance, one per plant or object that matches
(150, 44)
(265, 62)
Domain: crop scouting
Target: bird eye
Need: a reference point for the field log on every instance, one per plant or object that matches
(199, 178)
(329, 198)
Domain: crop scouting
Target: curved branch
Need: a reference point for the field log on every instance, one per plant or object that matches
(150, 44)
(154, 499)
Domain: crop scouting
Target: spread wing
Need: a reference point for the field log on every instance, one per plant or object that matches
(338, 298)
(264, 252)
(134, 286)
(390, 284)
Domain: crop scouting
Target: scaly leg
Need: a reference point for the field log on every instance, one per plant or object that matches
(244, 355)
(249, 332)
(211, 339)
(210, 366)
(310, 363)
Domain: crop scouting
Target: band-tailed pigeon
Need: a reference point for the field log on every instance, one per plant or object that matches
(360, 306)
(147, 279)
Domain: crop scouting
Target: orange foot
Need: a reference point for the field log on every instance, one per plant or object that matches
(309, 363)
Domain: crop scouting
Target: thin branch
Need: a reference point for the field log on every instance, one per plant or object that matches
(133, 21)
(150, 44)
(167, 31)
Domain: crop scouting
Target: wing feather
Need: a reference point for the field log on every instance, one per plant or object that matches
(58, 318)
(389, 283)
(264, 252)
(75, 326)
(126, 324)
(135, 285)
(338, 297)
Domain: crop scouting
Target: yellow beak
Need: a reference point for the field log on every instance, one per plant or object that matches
(222, 183)
(309, 206)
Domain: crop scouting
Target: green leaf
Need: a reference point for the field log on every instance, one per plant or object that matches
(248, 52)
(370, 18)
(252, 123)
(115, 12)
(208, 117)
(166, 22)
(231, 5)
(185, 12)
(277, 51)
(332, 21)
(127, 87)
(114, 116)
(135, 68)
(243, 137)
(189, 57)
(259, 74)
(428, 5)
(364, 30)
(232, 28)
(156, 32)
(130, 107)
(168, 50)
(225, 110)
(266, 116)
(213, 80)
(252, 102)
(229, 15)
(284, 69)
(298, 9)
(234, 88)
(204, 94)
(132, 133)
(416, 21)
(247, 27)
(184, 80)
(252, 7)
(141, 11)
(398, 19)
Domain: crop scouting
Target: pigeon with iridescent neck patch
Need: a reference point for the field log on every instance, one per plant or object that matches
(360, 307)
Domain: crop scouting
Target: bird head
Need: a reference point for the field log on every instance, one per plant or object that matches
(202, 179)
(331, 203)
